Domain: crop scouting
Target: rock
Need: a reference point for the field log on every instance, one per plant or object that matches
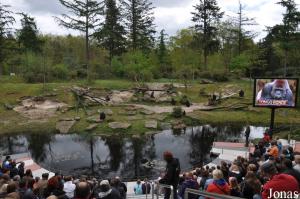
(150, 133)
(106, 111)
(91, 127)
(131, 113)
(165, 126)
(146, 112)
(136, 137)
(119, 125)
(8, 106)
(136, 117)
(206, 81)
(151, 124)
(158, 117)
(66, 119)
(65, 126)
(178, 125)
(93, 119)
(77, 118)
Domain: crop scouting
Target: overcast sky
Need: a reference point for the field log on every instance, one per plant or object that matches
(170, 15)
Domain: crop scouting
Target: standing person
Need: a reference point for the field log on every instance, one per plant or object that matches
(146, 186)
(138, 188)
(119, 186)
(247, 135)
(172, 174)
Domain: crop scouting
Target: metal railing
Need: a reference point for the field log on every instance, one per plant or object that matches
(207, 194)
(159, 186)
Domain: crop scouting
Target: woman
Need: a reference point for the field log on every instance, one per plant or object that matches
(219, 185)
(234, 187)
(251, 186)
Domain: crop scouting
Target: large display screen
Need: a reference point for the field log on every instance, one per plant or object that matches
(281, 93)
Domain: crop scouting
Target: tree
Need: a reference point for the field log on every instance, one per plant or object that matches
(28, 34)
(6, 20)
(205, 17)
(287, 32)
(139, 21)
(163, 54)
(112, 35)
(243, 21)
(85, 18)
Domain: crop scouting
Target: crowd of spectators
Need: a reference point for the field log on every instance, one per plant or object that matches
(270, 170)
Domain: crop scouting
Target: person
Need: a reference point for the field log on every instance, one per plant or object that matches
(266, 138)
(277, 182)
(82, 191)
(234, 187)
(219, 185)
(13, 170)
(119, 186)
(241, 93)
(138, 188)
(247, 134)
(171, 176)
(273, 151)
(29, 194)
(6, 162)
(235, 171)
(41, 185)
(102, 116)
(297, 163)
(205, 176)
(12, 191)
(287, 166)
(108, 192)
(146, 187)
(21, 169)
(251, 186)
(189, 182)
(69, 187)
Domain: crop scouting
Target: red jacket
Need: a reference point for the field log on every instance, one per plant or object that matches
(280, 182)
(219, 189)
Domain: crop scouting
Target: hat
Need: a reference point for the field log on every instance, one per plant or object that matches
(104, 182)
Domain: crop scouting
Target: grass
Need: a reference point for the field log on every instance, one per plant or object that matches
(12, 89)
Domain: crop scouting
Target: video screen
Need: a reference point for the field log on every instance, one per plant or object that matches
(275, 93)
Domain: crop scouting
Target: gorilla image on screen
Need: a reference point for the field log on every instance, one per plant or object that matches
(276, 93)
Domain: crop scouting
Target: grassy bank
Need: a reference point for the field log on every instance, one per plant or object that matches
(11, 122)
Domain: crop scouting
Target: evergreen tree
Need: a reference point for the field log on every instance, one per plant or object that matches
(139, 21)
(287, 33)
(162, 54)
(205, 17)
(112, 35)
(6, 19)
(85, 17)
(28, 34)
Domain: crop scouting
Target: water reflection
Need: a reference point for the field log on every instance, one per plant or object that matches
(109, 156)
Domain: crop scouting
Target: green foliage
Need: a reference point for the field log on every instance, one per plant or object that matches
(137, 66)
(59, 71)
(177, 112)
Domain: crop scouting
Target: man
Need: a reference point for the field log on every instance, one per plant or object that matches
(189, 182)
(69, 187)
(82, 191)
(277, 182)
(274, 150)
(172, 174)
(41, 185)
(146, 186)
(247, 135)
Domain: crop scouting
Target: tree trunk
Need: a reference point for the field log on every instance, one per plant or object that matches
(285, 62)
(87, 53)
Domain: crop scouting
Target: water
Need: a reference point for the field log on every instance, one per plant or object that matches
(104, 157)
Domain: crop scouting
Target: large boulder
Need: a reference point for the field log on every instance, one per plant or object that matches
(91, 127)
(65, 126)
(119, 125)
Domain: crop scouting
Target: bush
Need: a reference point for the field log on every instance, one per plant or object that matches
(59, 71)
(177, 112)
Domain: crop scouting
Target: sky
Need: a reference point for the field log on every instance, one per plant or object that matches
(171, 15)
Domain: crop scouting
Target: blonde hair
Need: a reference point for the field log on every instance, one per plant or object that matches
(217, 174)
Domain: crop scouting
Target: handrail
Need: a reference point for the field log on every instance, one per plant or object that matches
(167, 187)
(207, 194)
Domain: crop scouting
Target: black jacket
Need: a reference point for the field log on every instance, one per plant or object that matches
(172, 173)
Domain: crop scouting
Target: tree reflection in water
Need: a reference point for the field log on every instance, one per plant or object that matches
(37, 143)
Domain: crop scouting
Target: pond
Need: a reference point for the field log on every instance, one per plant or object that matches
(107, 156)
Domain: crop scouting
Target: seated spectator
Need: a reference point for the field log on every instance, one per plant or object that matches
(225, 170)
(12, 191)
(234, 187)
(108, 192)
(4, 181)
(21, 169)
(251, 186)
(119, 186)
(297, 163)
(138, 188)
(277, 182)
(274, 150)
(234, 171)
(69, 187)
(13, 170)
(219, 185)
(29, 194)
(82, 191)
(189, 182)
(287, 166)
(41, 185)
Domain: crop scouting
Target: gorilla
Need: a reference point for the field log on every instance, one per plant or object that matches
(279, 89)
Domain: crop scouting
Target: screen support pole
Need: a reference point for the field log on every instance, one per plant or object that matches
(272, 122)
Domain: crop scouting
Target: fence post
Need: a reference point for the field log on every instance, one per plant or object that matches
(172, 194)
(185, 195)
(152, 187)
(158, 189)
